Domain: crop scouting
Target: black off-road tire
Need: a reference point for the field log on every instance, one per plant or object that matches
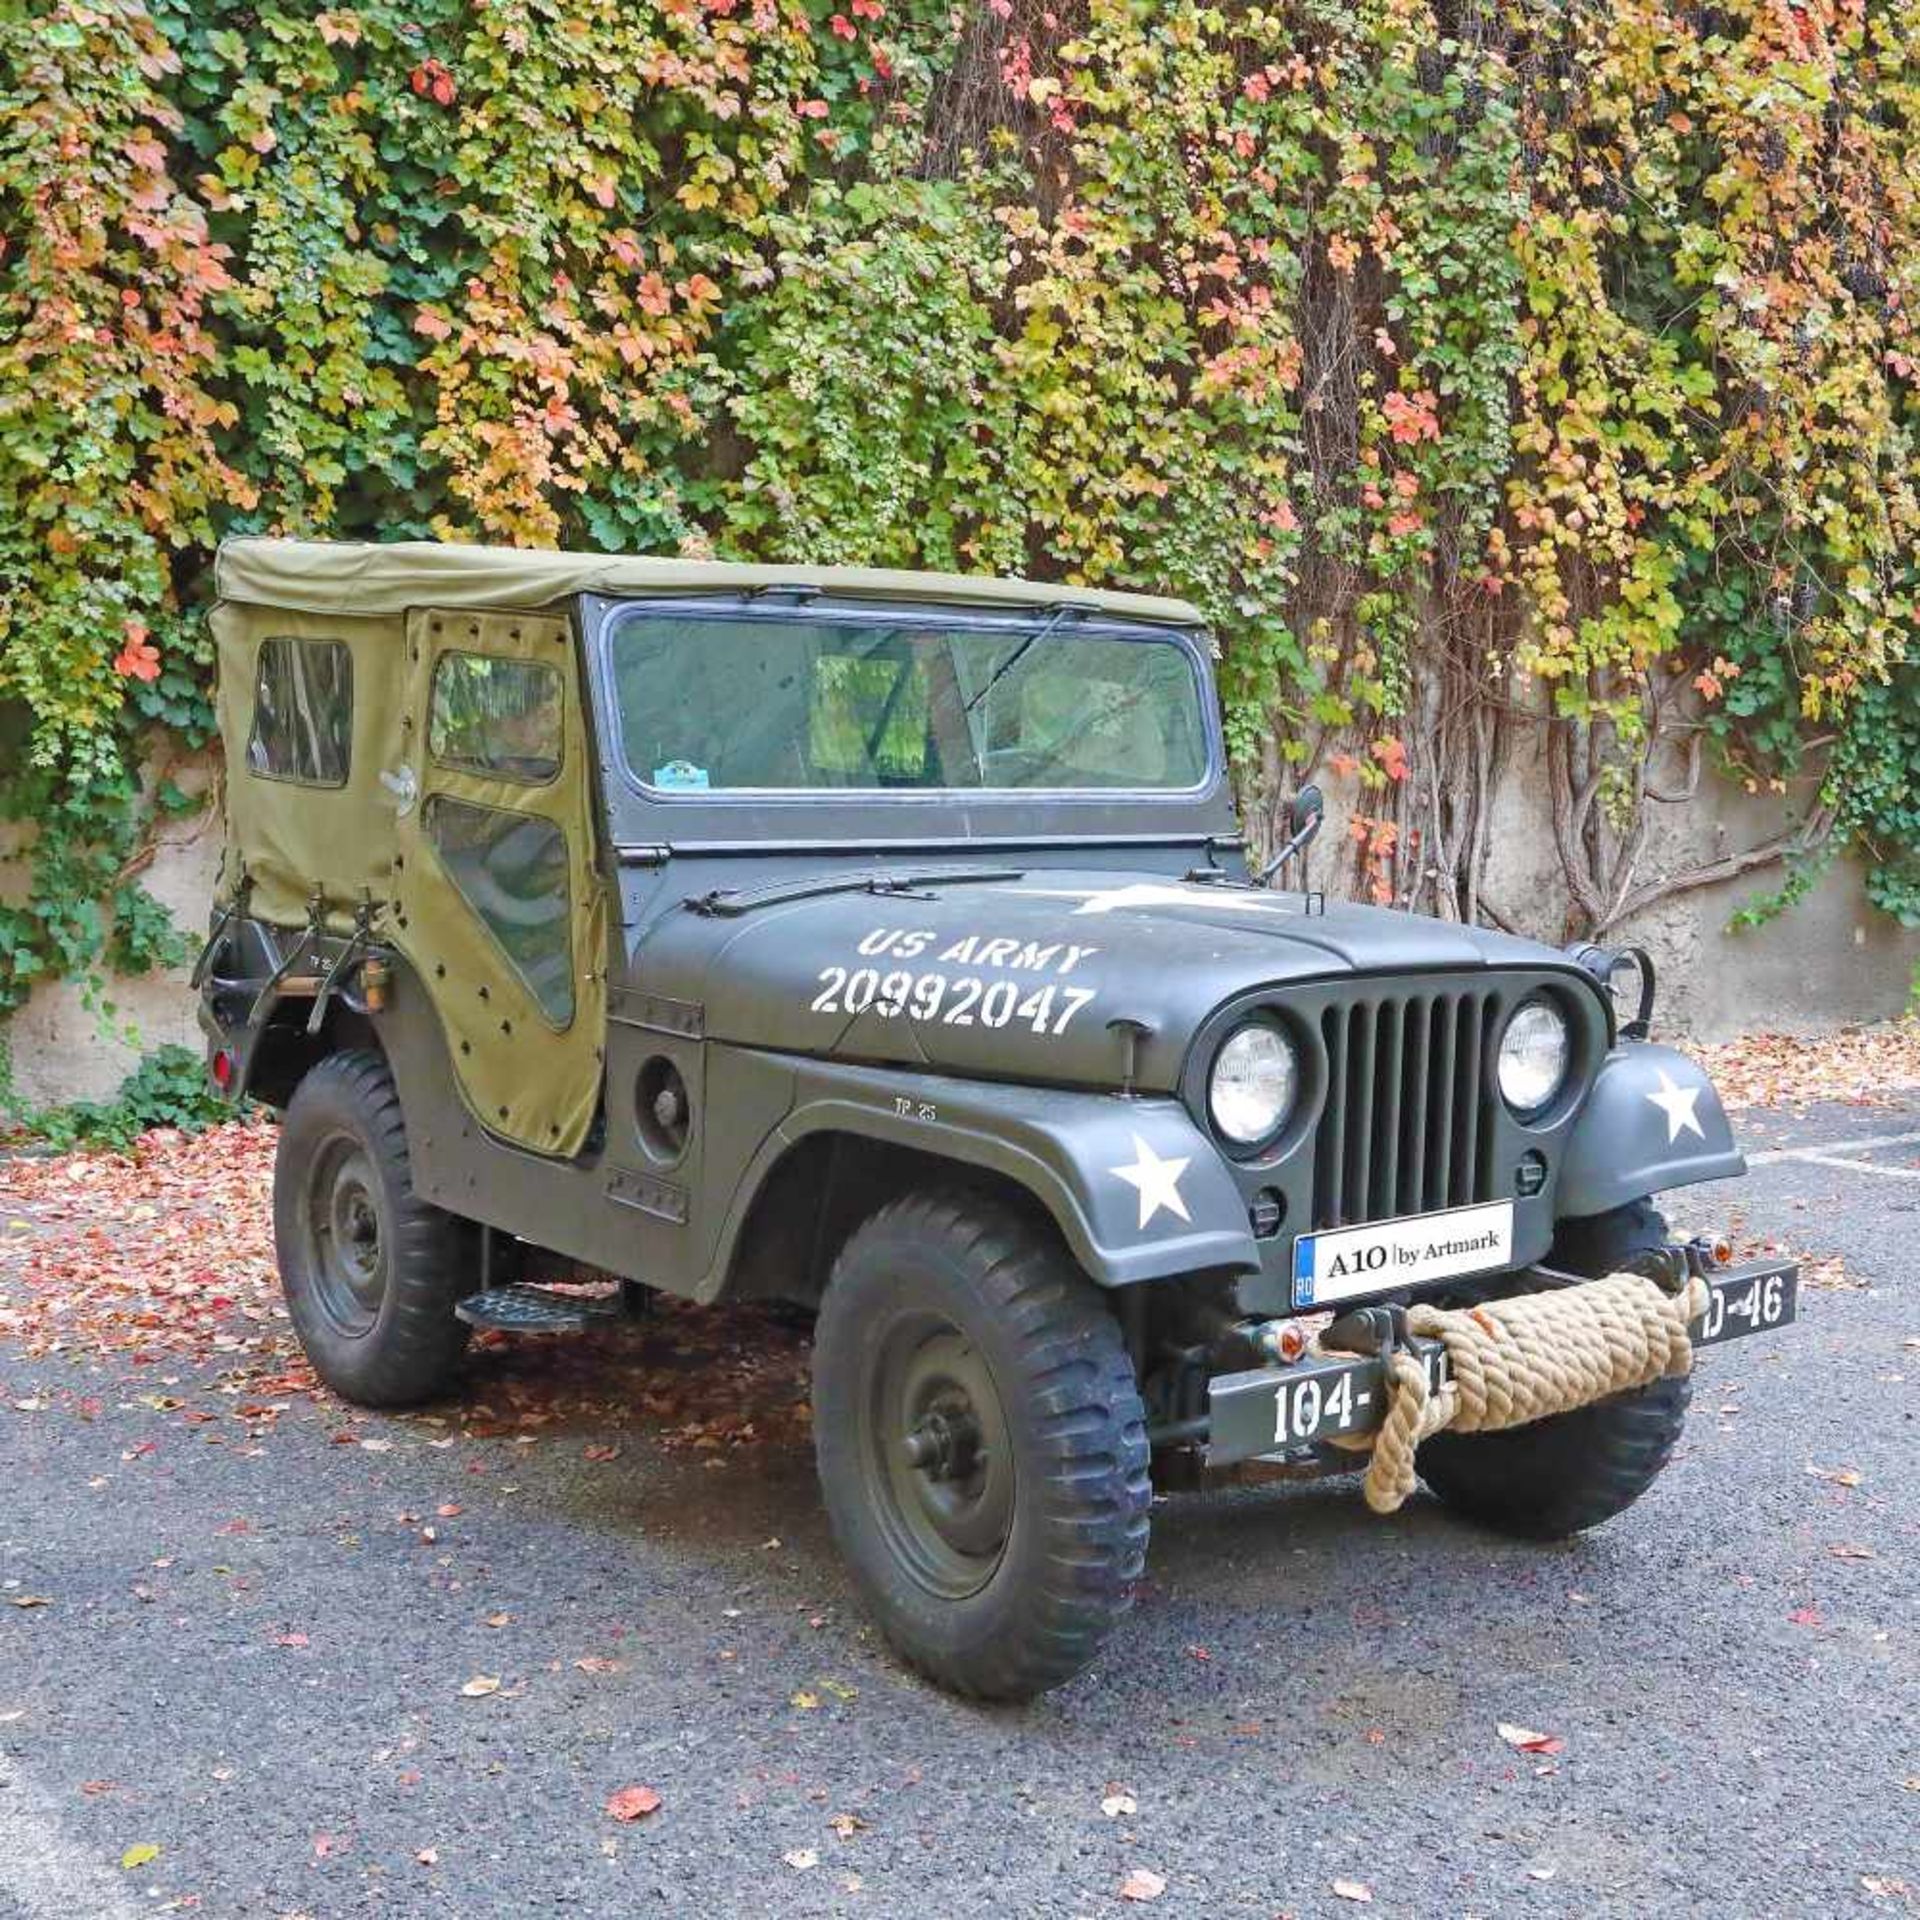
(941, 1299)
(1561, 1476)
(371, 1270)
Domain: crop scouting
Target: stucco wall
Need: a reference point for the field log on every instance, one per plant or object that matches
(1828, 961)
(61, 1048)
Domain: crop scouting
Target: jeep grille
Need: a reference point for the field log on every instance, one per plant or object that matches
(1407, 1126)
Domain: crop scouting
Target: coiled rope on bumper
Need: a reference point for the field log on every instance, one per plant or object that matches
(1514, 1361)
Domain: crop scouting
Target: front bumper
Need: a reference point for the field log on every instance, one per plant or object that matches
(1328, 1398)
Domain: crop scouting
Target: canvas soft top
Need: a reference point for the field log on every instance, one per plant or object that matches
(363, 577)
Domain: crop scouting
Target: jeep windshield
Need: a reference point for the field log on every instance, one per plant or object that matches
(813, 701)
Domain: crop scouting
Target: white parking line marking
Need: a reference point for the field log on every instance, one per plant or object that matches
(1819, 1149)
(1861, 1166)
(42, 1871)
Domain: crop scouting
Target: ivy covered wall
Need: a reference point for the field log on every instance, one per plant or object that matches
(1528, 379)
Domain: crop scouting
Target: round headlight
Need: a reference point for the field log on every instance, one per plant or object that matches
(1255, 1077)
(1533, 1057)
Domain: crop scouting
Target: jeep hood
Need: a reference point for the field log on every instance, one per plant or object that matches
(1024, 976)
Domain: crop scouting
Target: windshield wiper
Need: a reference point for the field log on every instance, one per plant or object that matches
(729, 902)
(1050, 624)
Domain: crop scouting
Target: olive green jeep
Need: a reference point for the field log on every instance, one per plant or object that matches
(886, 944)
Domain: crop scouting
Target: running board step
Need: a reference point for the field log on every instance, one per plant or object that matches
(531, 1309)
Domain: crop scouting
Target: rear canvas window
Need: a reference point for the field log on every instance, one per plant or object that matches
(302, 712)
(500, 718)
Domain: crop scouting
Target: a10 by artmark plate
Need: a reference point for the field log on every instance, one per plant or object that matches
(1349, 1262)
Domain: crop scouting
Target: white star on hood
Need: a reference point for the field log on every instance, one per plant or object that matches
(1145, 893)
(1157, 1182)
(1676, 1103)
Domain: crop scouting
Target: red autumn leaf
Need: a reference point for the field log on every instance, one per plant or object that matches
(1805, 1617)
(1525, 1740)
(633, 1803)
(432, 79)
(138, 659)
(1392, 755)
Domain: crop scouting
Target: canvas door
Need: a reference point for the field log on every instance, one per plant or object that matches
(498, 901)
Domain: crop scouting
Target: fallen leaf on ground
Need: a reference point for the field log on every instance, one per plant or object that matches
(1143, 1884)
(140, 1855)
(804, 1700)
(1828, 1274)
(30, 1600)
(428, 1856)
(597, 1663)
(1840, 1476)
(499, 1619)
(633, 1803)
(480, 1685)
(1884, 1888)
(1851, 1550)
(846, 1825)
(1862, 1066)
(1117, 1803)
(801, 1859)
(1354, 1890)
(1527, 1740)
(1805, 1617)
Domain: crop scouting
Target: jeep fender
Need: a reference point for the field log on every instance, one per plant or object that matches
(1138, 1192)
(1651, 1121)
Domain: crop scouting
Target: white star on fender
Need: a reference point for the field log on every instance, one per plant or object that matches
(1157, 1182)
(1144, 893)
(1677, 1104)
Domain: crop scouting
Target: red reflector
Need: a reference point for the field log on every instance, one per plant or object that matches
(223, 1069)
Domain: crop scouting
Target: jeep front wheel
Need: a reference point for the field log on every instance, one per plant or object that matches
(1563, 1475)
(371, 1270)
(981, 1443)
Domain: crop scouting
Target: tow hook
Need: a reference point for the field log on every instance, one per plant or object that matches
(1672, 1266)
(1368, 1330)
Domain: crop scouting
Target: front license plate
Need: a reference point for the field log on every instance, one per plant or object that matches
(1352, 1261)
(1268, 1410)
(1749, 1300)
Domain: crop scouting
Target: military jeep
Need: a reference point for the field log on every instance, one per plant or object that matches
(885, 944)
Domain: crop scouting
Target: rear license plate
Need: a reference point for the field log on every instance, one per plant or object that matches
(1744, 1301)
(1350, 1262)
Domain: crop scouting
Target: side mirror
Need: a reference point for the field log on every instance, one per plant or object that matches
(1303, 822)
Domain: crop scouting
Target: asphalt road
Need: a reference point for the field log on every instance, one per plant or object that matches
(253, 1661)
